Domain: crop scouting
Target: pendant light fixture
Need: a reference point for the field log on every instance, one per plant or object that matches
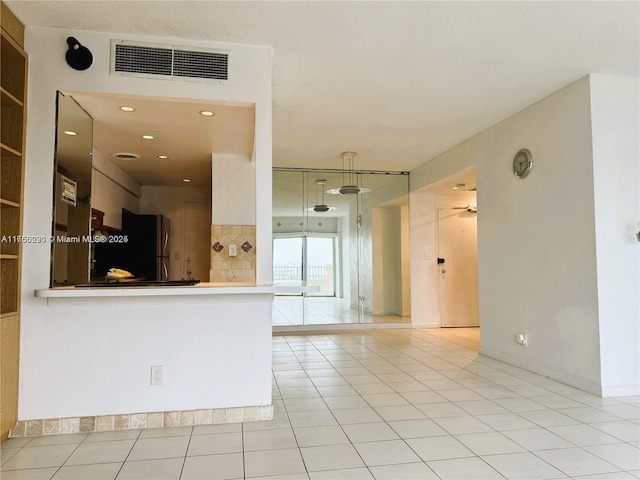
(320, 207)
(349, 177)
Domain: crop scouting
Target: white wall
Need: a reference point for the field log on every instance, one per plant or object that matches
(536, 259)
(616, 169)
(112, 190)
(45, 336)
(104, 349)
(168, 201)
(233, 190)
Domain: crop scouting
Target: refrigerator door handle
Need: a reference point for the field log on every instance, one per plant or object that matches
(165, 237)
(165, 271)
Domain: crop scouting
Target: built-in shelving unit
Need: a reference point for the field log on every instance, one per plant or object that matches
(13, 87)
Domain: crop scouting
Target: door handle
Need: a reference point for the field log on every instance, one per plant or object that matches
(440, 260)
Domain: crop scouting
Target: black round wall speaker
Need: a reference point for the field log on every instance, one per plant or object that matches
(78, 57)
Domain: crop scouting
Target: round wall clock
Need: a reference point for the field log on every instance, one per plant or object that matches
(522, 163)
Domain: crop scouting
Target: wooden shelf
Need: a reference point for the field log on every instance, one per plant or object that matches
(7, 150)
(9, 99)
(13, 94)
(9, 203)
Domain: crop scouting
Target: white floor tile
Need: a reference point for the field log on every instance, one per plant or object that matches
(318, 436)
(101, 452)
(347, 474)
(76, 438)
(417, 428)
(110, 436)
(312, 419)
(29, 474)
(534, 439)
(369, 432)
(439, 448)
(155, 448)
(622, 430)
(160, 469)
(349, 416)
(399, 412)
(332, 457)
(491, 443)
(386, 452)
(463, 469)
(39, 457)
(166, 432)
(213, 467)
(340, 403)
(522, 466)
(405, 471)
(273, 462)
(269, 440)
(583, 435)
(104, 471)
(576, 461)
(548, 418)
(461, 425)
(622, 455)
(7, 453)
(215, 444)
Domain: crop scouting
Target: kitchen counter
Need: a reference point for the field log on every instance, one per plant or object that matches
(200, 289)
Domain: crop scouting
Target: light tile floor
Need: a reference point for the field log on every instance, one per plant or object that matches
(315, 310)
(382, 404)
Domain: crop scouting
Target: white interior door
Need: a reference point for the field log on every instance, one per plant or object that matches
(458, 275)
(196, 224)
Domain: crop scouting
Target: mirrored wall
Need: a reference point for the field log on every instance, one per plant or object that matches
(353, 246)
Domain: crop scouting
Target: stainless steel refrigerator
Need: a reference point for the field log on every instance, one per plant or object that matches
(148, 245)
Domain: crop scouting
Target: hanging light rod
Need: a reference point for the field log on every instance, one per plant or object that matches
(349, 176)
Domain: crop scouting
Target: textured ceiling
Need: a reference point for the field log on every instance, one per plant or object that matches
(179, 132)
(397, 82)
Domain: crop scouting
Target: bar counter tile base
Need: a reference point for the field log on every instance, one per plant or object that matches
(135, 421)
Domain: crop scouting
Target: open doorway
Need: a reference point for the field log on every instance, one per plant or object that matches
(457, 265)
(445, 224)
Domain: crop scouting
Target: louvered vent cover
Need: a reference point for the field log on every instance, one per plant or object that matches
(169, 61)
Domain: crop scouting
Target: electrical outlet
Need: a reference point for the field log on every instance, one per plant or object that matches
(521, 339)
(157, 375)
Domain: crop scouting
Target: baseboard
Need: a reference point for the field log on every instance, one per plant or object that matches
(135, 421)
(338, 327)
(620, 390)
(561, 377)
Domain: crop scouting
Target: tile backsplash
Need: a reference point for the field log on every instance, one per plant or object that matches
(228, 268)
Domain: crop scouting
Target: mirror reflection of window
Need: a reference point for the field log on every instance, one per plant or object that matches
(72, 193)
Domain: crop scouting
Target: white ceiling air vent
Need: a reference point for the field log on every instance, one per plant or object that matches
(125, 156)
(169, 61)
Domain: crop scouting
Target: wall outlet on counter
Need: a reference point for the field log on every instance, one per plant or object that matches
(157, 375)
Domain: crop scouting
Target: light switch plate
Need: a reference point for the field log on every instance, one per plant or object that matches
(233, 250)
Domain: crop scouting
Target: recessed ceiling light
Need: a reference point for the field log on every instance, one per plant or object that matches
(186, 180)
(126, 108)
(147, 137)
(458, 186)
(69, 132)
(207, 113)
(163, 156)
